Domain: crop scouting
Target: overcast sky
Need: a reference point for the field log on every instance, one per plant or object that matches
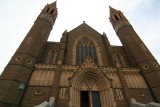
(17, 17)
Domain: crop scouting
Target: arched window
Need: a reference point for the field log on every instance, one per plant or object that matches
(85, 48)
(48, 9)
(116, 17)
(51, 57)
(52, 11)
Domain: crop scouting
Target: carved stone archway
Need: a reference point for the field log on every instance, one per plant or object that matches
(91, 79)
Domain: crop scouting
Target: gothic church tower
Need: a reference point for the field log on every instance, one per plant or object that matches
(137, 52)
(21, 65)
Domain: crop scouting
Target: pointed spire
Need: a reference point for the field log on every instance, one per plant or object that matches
(117, 19)
(112, 10)
(54, 4)
(49, 12)
(65, 31)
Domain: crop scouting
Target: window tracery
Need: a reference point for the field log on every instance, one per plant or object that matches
(85, 48)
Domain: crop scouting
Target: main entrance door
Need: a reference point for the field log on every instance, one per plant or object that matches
(90, 99)
(90, 88)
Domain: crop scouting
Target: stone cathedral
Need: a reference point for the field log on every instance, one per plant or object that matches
(82, 70)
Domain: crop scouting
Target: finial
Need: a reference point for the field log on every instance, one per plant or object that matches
(65, 31)
(104, 33)
(54, 3)
(83, 21)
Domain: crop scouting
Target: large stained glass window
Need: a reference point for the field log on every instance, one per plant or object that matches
(85, 48)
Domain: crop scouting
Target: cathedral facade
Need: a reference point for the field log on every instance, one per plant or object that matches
(82, 70)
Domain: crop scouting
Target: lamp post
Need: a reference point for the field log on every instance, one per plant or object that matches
(20, 89)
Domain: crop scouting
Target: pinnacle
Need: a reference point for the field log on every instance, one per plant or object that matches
(112, 10)
(54, 3)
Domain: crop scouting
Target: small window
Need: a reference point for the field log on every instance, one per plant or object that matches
(43, 32)
(48, 9)
(52, 11)
(29, 40)
(128, 38)
(116, 17)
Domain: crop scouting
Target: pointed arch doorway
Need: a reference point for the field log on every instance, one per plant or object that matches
(91, 88)
(89, 94)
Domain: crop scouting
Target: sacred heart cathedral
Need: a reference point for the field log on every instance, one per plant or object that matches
(82, 70)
